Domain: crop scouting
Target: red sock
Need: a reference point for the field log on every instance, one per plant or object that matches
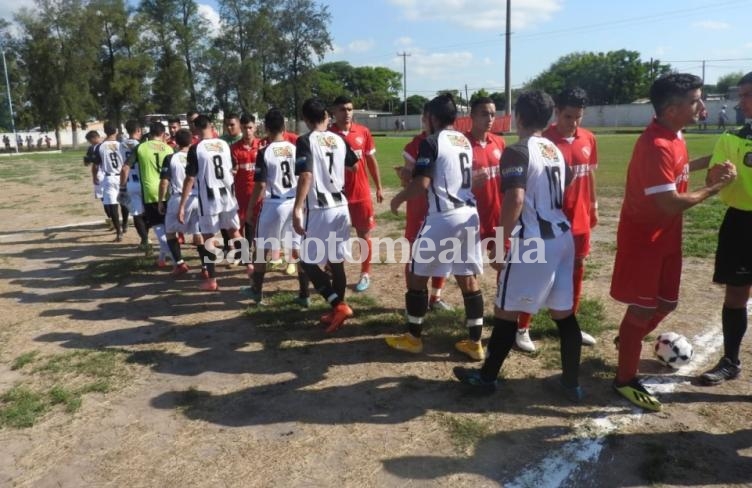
(579, 272)
(632, 331)
(523, 320)
(365, 266)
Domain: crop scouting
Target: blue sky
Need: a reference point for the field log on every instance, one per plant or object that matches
(457, 42)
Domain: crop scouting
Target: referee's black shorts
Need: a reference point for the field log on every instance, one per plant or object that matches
(733, 257)
(152, 216)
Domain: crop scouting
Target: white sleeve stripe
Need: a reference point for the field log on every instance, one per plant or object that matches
(660, 189)
(372, 152)
(408, 156)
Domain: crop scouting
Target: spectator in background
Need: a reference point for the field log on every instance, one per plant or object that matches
(702, 119)
(47, 140)
(6, 142)
(722, 119)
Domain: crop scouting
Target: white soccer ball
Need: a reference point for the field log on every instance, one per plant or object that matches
(673, 349)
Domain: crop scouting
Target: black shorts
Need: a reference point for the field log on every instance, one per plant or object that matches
(152, 216)
(733, 257)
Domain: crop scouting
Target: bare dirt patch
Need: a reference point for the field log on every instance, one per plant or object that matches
(214, 396)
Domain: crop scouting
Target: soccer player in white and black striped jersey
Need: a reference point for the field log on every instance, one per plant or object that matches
(320, 213)
(443, 173)
(275, 184)
(533, 176)
(108, 157)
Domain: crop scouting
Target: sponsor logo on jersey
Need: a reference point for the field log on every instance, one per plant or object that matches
(497, 154)
(213, 146)
(329, 141)
(586, 151)
(359, 140)
(423, 162)
(548, 151)
(111, 146)
(282, 152)
(459, 141)
(512, 171)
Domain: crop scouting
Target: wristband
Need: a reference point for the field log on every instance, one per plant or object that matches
(594, 205)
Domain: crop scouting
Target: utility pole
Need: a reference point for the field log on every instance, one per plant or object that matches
(467, 98)
(508, 61)
(703, 71)
(404, 76)
(10, 102)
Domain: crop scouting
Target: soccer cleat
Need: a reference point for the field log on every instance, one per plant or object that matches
(144, 246)
(587, 339)
(723, 371)
(277, 265)
(363, 283)
(303, 302)
(209, 284)
(523, 341)
(179, 270)
(472, 379)
(252, 294)
(291, 269)
(340, 313)
(471, 348)
(638, 395)
(406, 342)
(161, 263)
(574, 394)
(231, 263)
(327, 318)
(439, 305)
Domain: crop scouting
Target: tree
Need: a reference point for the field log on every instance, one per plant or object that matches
(609, 78)
(482, 93)
(456, 94)
(303, 38)
(727, 81)
(500, 100)
(59, 45)
(415, 105)
(371, 88)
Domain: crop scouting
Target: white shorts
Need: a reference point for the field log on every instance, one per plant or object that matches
(448, 244)
(211, 224)
(110, 189)
(135, 203)
(275, 225)
(172, 226)
(327, 233)
(530, 286)
(98, 193)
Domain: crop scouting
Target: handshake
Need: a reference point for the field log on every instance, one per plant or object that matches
(721, 175)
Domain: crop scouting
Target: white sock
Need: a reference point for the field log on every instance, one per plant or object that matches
(164, 250)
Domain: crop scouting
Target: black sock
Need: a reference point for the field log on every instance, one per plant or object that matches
(321, 282)
(474, 314)
(571, 346)
(258, 281)
(416, 305)
(501, 342)
(207, 260)
(734, 326)
(140, 224)
(303, 283)
(115, 216)
(339, 279)
(225, 240)
(200, 251)
(238, 246)
(174, 246)
(124, 213)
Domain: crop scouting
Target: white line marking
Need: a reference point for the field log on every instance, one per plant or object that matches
(590, 435)
(23, 232)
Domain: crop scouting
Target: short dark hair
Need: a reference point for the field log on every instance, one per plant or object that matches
(156, 129)
(91, 135)
(132, 126)
(246, 119)
(534, 108)
(342, 100)
(572, 97)
(314, 110)
(231, 115)
(443, 108)
(183, 137)
(201, 122)
(109, 128)
(480, 101)
(745, 80)
(274, 121)
(173, 120)
(189, 113)
(672, 88)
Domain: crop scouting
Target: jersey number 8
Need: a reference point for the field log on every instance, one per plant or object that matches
(219, 170)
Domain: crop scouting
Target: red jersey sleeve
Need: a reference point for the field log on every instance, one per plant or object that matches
(657, 171)
(368, 146)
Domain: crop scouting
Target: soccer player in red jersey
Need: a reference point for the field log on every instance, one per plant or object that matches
(416, 209)
(244, 153)
(357, 188)
(580, 203)
(647, 267)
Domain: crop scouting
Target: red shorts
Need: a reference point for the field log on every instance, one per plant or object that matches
(581, 245)
(361, 215)
(642, 279)
(417, 208)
